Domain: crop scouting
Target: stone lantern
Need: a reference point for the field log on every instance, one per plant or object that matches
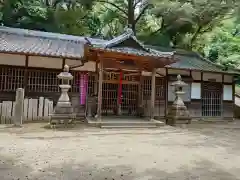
(63, 111)
(178, 113)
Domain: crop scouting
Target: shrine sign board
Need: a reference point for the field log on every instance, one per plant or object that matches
(127, 78)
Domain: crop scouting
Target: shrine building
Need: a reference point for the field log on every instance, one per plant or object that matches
(118, 77)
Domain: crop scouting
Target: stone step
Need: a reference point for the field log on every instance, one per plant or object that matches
(124, 123)
(132, 123)
(127, 126)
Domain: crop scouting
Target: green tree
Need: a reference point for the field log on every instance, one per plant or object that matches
(179, 23)
(224, 45)
(30, 14)
(64, 16)
(130, 12)
(185, 21)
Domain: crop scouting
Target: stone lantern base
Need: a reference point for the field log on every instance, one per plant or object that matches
(178, 114)
(62, 115)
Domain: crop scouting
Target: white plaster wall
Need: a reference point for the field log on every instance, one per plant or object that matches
(196, 75)
(228, 78)
(196, 90)
(162, 71)
(12, 59)
(178, 71)
(72, 62)
(217, 77)
(171, 95)
(227, 92)
(145, 73)
(88, 66)
(45, 62)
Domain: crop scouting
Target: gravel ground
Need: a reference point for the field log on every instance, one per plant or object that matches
(197, 152)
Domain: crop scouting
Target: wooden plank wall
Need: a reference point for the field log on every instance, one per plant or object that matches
(34, 110)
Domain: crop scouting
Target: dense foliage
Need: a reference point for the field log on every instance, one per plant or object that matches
(194, 25)
(224, 44)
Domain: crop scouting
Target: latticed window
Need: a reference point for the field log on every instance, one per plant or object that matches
(82, 80)
(76, 81)
(84, 83)
(92, 84)
(46, 81)
(43, 81)
(11, 78)
(160, 88)
(212, 99)
(147, 87)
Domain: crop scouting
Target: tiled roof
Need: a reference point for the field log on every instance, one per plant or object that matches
(141, 50)
(41, 43)
(29, 42)
(128, 34)
(13, 40)
(128, 50)
(194, 61)
(197, 62)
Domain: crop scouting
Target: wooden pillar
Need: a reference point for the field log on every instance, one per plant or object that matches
(222, 107)
(233, 95)
(166, 93)
(100, 82)
(25, 83)
(140, 95)
(201, 102)
(63, 63)
(140, 89)
(153, 92)
(96, 78)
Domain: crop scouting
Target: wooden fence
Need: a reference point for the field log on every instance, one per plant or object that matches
(34, 110)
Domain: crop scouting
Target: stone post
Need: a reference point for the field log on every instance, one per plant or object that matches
(119, 109)
(18, 112)
(90, 102)
(153, 93)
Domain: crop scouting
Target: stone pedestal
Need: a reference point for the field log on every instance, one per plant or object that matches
(63, 111)
(178, 113)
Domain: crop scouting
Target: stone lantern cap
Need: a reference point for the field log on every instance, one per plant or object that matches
(179, 82)
(65, 75)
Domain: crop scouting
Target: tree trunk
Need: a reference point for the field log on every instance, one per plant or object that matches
(131, 21)
(194, 37)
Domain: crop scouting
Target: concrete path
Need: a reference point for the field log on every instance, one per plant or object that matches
(198, 152)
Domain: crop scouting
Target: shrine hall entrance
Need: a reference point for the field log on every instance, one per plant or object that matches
(120, 94)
